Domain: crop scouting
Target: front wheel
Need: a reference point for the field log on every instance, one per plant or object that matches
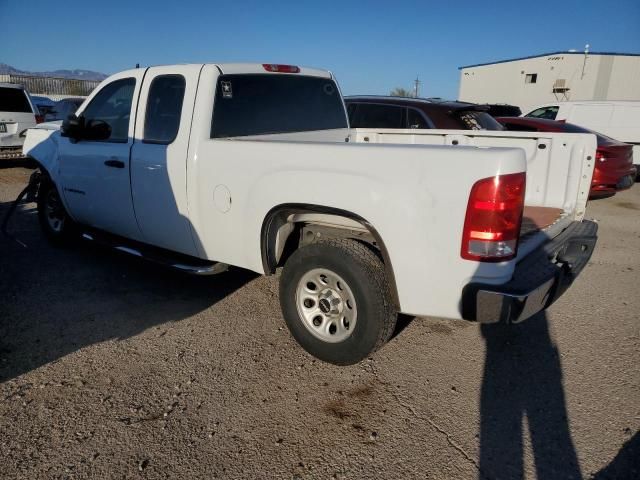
(336, 300)
(56, 224)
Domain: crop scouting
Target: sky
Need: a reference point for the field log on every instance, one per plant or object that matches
(371, 46)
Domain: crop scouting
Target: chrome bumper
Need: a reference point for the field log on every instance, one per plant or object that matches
(538, 280)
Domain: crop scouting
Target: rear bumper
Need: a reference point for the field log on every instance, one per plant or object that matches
(538, 280)
(613, 181)
(11, 152)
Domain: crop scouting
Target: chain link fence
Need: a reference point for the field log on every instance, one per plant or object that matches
(52, 86)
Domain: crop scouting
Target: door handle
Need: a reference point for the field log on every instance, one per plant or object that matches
(114, 163)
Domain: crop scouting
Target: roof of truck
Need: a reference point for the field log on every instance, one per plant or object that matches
(238, 68)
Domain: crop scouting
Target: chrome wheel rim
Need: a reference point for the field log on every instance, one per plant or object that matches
(326, 305)
(54, 211)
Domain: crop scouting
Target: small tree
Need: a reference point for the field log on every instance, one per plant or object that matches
(401, 92)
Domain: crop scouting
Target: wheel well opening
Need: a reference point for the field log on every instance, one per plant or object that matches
(287, 229)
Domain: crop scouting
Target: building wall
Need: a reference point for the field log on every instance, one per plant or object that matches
(600, 77)
(625, 79)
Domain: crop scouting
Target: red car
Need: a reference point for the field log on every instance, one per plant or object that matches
(614, 170)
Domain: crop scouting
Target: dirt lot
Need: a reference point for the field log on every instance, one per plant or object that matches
(114, 368)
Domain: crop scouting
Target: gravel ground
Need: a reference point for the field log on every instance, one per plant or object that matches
(114, 368)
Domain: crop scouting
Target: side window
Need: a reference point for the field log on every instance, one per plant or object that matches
(545, 112)
(164, 109)
(369, 115)
(112, 105)
(416, 120)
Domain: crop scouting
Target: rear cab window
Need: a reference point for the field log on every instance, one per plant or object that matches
(261, 104)
(14, 100)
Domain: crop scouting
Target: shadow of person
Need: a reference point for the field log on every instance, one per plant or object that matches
(523, 382)
(626, 464)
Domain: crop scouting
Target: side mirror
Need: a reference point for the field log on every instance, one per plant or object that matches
(96, 130)
(72, 127)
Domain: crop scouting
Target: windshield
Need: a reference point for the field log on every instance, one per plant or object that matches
(247, 104)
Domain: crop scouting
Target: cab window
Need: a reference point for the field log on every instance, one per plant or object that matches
(262, 104)
(164, 109)
(112, 105)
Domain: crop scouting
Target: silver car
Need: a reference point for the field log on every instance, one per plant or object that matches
(17, 114)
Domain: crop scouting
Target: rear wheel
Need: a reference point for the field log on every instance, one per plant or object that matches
(56, 224)
(336, 300)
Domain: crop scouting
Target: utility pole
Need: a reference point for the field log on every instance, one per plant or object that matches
(416, 85)
(584, 62)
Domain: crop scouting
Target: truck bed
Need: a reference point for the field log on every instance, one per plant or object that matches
(559, 167)
(539, 218)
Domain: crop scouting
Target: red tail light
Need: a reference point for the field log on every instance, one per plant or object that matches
(39, 118)
(494, 215)
(272, 67)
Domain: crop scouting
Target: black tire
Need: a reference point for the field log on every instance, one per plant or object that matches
(364, 273)
(50, 208)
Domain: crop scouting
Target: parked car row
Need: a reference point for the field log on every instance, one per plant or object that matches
(20, 111)
(615, 170)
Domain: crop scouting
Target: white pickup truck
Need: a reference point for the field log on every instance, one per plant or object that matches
(251, 165)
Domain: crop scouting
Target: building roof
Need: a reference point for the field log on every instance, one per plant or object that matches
(549, 54)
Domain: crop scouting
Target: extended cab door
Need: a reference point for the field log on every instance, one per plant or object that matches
(159, 156)
(94, 175)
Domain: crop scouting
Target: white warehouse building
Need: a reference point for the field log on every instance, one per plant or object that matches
(559, 76)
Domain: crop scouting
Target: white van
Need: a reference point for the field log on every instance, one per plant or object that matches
(17, 114)
(616, 119)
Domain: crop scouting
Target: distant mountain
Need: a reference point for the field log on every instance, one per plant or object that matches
(76, 74)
